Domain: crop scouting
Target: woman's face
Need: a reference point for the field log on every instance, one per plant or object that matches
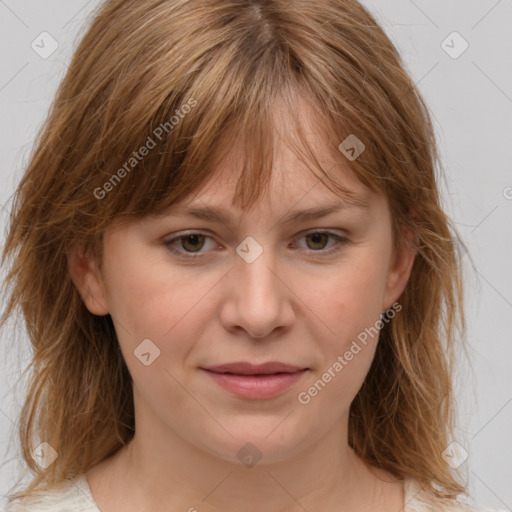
(257, 286)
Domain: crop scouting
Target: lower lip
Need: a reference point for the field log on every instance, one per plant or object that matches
(254, 386)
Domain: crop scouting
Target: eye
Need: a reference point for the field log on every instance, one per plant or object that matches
(190, 245)
(316, 241)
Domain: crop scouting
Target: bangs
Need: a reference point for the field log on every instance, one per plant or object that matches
(186, 145)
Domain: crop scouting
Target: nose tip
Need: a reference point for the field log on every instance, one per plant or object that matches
(258, 303)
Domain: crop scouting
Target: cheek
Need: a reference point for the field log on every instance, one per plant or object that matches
(349, 304)
(351, 296)
(157, 301)
(140, 301)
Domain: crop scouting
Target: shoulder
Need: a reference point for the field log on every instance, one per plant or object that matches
(418, 499)
(69, 496)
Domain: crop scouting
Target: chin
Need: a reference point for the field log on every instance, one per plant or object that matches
(257, 444)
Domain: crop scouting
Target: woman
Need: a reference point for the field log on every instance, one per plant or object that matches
(239, 284)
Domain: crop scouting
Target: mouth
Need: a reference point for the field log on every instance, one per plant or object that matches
(255, 381)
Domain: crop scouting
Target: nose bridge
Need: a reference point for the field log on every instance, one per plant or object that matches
(260, 299)
(255, 269)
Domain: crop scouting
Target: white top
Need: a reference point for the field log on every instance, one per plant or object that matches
(75, 495)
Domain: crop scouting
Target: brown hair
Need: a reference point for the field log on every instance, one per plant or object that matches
(138, 66)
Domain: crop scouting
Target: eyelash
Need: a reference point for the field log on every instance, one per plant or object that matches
(340, 243)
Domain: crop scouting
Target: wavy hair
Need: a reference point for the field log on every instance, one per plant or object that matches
(155, 94)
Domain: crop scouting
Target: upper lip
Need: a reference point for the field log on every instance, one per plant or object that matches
(246, 368)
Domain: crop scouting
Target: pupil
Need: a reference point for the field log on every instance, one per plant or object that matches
(194, 239)
(316, 236)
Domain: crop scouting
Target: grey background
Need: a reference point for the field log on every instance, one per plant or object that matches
(471, 100)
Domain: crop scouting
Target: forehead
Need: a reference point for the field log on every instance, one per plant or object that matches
(295, 164)
(293, 174)
(293, 182)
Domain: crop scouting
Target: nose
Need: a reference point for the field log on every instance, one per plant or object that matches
(258, 296)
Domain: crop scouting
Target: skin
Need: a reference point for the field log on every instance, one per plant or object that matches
(292, 304)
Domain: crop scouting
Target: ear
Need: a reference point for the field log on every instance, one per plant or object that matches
(85, 275)
(400, 267)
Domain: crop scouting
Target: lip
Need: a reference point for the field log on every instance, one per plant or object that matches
(257, 382)
(246, 368)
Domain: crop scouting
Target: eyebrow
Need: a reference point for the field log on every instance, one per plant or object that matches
(219, 214)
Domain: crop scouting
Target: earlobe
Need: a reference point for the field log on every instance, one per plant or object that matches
(401, 267)
(88, 281)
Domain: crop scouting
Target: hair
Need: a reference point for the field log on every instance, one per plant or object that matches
(186, 80)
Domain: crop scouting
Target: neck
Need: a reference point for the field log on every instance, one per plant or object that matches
(176, 475)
